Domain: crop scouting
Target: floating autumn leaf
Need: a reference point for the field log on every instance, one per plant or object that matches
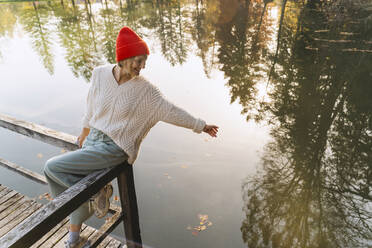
(203, 224)
(63, 150)
(203, 217)
(116, 198)
(39, 155)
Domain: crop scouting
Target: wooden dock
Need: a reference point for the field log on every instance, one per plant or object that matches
(14, 208)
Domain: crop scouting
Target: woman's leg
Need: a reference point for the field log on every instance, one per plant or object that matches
(65, 170)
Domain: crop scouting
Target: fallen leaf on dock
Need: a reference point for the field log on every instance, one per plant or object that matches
(47, 196)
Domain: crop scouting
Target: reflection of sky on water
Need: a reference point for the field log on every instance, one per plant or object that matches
(210, 183)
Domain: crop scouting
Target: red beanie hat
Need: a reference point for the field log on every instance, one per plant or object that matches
(129, 44)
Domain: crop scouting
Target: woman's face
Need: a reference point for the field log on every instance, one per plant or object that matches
(135, 64)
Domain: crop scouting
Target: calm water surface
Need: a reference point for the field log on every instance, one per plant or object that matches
(289, 83)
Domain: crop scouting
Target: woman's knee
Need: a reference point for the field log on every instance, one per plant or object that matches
(50, 165)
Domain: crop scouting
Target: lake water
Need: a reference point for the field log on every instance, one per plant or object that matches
(289, 83)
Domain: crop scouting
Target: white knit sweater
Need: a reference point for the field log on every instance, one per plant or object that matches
(127, 112)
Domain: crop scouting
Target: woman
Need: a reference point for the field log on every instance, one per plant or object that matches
(122, 107)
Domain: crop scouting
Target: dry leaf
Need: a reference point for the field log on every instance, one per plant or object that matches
(39, 155)
(184, 166)
(202, 228)
(116, 198)
(63, 150)
(165, 174)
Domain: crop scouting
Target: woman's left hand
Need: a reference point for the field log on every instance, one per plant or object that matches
(211, 130)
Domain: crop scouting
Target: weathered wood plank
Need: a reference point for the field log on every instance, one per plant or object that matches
(23, 213)
(106, 228)
(39, 223)
(6, 197)
(113, 244)
(2, 187)
(57, 236)
(23, 171)
(86, 234)
(128, 201)
(105, 242)
(39, 132)
(10, 202)
(61, 240)
(40, 242)
(12, 205)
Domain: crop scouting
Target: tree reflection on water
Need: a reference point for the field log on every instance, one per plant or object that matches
(314, 187)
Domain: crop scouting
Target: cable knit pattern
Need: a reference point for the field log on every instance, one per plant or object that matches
(127, 112)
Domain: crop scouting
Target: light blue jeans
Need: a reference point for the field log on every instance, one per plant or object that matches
(62, 171)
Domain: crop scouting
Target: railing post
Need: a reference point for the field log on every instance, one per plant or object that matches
(129, 206)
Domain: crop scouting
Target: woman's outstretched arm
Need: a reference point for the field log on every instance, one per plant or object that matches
(172, 114)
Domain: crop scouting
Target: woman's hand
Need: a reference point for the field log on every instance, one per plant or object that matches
(211, 130)
(82, 136)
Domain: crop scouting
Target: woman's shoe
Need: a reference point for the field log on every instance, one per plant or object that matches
(101, 201)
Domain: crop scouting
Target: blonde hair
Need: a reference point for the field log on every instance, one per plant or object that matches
(122, 63)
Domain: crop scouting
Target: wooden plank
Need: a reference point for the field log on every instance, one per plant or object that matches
(2, 187)
(3, 196)
(12, 205)
(7, 195)
(55, 229)
(39, 132)
(57, 237)
(86, 234)
(22, 213)
(128, 201)
(61, 241)
(105, 242)
(51, 214)
(114, 244)
(9, 214)
(10, 202)
(23, 171)
(106, 228)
